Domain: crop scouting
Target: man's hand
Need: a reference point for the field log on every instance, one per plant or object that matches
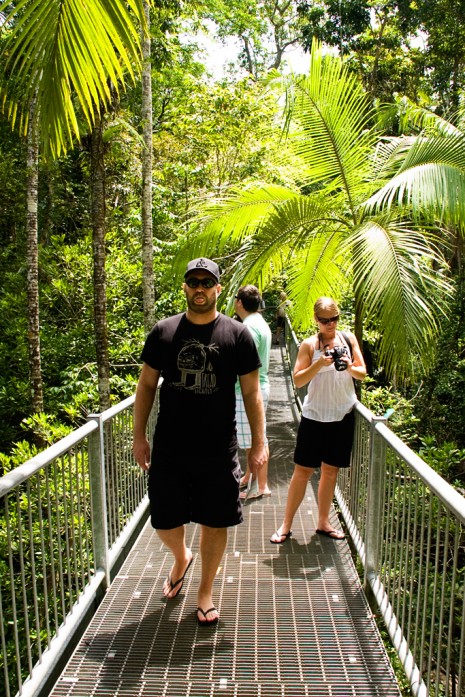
(145, 394)
(141, 450)
(256, 458)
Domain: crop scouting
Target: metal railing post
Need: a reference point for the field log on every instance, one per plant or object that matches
(374, 515)
(98, 497)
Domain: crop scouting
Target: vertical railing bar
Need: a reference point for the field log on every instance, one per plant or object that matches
(110, 474)
(4, 647)
(115, 502)
(443, 599)
(135, 498)
(126, 472)
(389, 524)
(414, 640)
(87, 508)
(451, 623)
(61, 589)
(107, 464)
(23, 571)
(424, 656)
(354, 481)
(44, 563)
(13, 593)
(461, 674)
(72, 564)
(121, 482)
(33, 567)
(433, 605)
(99, 489)
(405, 552)
(374, 513)
(53, 569)
(80, 570)
(397, 588)
(69, 597)
(383, 508)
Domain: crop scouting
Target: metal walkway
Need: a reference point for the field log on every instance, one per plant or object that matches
(294, 619)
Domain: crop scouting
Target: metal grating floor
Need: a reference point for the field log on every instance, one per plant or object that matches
(294, 619)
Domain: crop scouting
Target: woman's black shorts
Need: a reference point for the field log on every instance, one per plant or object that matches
(329, 442)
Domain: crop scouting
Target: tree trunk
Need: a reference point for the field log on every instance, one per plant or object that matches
(148, 291)
(32, 284)
(97, 185)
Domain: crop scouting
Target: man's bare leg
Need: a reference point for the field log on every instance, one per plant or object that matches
(175, 540)
(212, 545)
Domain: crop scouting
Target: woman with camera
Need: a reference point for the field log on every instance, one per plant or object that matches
(328, 362)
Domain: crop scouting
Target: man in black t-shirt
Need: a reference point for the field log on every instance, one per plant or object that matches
(194, 470)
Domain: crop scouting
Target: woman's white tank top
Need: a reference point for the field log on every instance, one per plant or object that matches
(330, 394)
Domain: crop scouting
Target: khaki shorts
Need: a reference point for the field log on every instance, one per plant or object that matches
(244, 434)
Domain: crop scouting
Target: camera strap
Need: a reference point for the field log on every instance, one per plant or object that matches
(348, 342)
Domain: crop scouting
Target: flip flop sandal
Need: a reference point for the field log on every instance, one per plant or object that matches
(179, 582)
(332, 534)
(205, 622)
(275, 537)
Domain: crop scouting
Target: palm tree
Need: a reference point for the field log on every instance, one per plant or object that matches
(362, 208)
(60, 52)
(148, 288)
(56, 52)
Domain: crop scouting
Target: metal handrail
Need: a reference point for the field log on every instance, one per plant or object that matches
(66, 517)
(407, 525)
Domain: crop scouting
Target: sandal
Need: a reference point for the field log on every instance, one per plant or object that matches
(179, 583)
(276, 537)
(332, 534)
(205, 622)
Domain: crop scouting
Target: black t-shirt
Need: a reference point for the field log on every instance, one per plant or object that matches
(200, 364)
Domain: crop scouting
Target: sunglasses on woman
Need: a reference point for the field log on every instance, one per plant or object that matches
(193, 282)
(327, 320)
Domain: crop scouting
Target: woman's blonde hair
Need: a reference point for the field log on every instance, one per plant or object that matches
(325, 304)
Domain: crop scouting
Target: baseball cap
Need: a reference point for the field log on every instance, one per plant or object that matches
(204, 264)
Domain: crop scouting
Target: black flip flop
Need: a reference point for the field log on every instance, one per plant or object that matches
(205, 622)
(179, 582)
(285, 535)
(332, 534)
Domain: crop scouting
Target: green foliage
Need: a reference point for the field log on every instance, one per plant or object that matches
(56, 50)
(446, 459)
(45, 552)
(356, 209)
(402, 419)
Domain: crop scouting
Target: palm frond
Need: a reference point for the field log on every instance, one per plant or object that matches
(332, 116)
(227, 222)
(430, 178)
(55, 49)
(394, 273)
(313, 271)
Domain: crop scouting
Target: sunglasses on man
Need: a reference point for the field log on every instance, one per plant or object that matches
(194, 282)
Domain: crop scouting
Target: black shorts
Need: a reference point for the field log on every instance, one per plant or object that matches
(279, 321)
(330, 442)
(196, 489)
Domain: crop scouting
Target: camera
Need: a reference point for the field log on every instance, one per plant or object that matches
(336, 352)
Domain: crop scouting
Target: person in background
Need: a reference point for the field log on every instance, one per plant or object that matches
(193, 466)
(328, 363)
(247, 306)
(280, 315)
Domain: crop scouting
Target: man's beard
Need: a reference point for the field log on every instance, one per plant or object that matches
(207, 306)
